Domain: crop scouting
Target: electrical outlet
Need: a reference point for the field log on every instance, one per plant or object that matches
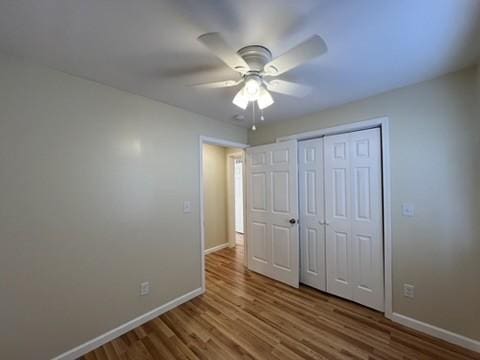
(409, 291)
(144, 288)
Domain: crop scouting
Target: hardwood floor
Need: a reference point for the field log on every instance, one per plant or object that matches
(244, 315)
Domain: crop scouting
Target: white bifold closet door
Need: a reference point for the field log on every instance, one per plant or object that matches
(353, 213)
(312, 213)
(272, 211)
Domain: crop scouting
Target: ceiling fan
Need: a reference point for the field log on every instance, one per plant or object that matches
(255, 65)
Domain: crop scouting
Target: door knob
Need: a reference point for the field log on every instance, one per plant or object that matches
(292, 221)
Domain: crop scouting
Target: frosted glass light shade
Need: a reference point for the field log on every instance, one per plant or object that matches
(241, 100)
(265, 99)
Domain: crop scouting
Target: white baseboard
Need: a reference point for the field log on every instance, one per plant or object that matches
(437, 332)
(216, 248)
(124, 328)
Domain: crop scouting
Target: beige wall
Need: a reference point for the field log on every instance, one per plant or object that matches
(435, 155)
(215, 195)
(92, 185)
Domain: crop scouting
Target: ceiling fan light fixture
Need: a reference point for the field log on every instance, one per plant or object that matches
(254, 63)
(252, 87)
(241, 100)
(265, 99)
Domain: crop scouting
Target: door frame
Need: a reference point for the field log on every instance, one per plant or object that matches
(383, 124)
(219, 142)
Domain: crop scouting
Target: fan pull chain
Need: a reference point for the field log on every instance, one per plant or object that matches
(261, 115)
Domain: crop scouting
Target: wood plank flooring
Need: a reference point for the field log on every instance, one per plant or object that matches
(244, 315)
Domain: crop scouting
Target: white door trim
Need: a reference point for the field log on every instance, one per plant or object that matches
(382, 123)
(212, 141)
(340, 129)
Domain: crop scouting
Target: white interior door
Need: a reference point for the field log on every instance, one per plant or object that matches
(338, 218)
(238, 185)
(312, 213)
(354, 237)
(272, 211)
(367, 219)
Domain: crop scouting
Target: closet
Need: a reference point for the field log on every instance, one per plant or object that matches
(314, 214)
(340, 197)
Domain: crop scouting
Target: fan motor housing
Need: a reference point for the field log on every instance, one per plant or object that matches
(256, 56)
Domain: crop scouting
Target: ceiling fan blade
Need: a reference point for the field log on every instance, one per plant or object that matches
(223, 51)
(288, 88)
(218, 84)
(302, 53)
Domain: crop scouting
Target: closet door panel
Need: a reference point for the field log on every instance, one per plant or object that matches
(367, 227)
(354, 235)
(312, 230)
(338, 216)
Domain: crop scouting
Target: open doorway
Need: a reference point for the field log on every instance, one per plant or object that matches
(222, 196)
(238, 200)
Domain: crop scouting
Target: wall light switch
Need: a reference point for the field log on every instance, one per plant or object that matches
(144, 288)
(409, 291)
(408, 209)
(187, 207)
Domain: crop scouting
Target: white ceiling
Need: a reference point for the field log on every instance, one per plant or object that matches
(149, 47)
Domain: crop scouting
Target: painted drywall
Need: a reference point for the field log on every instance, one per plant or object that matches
(92, 185)
(434, 165)
(215, 195)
